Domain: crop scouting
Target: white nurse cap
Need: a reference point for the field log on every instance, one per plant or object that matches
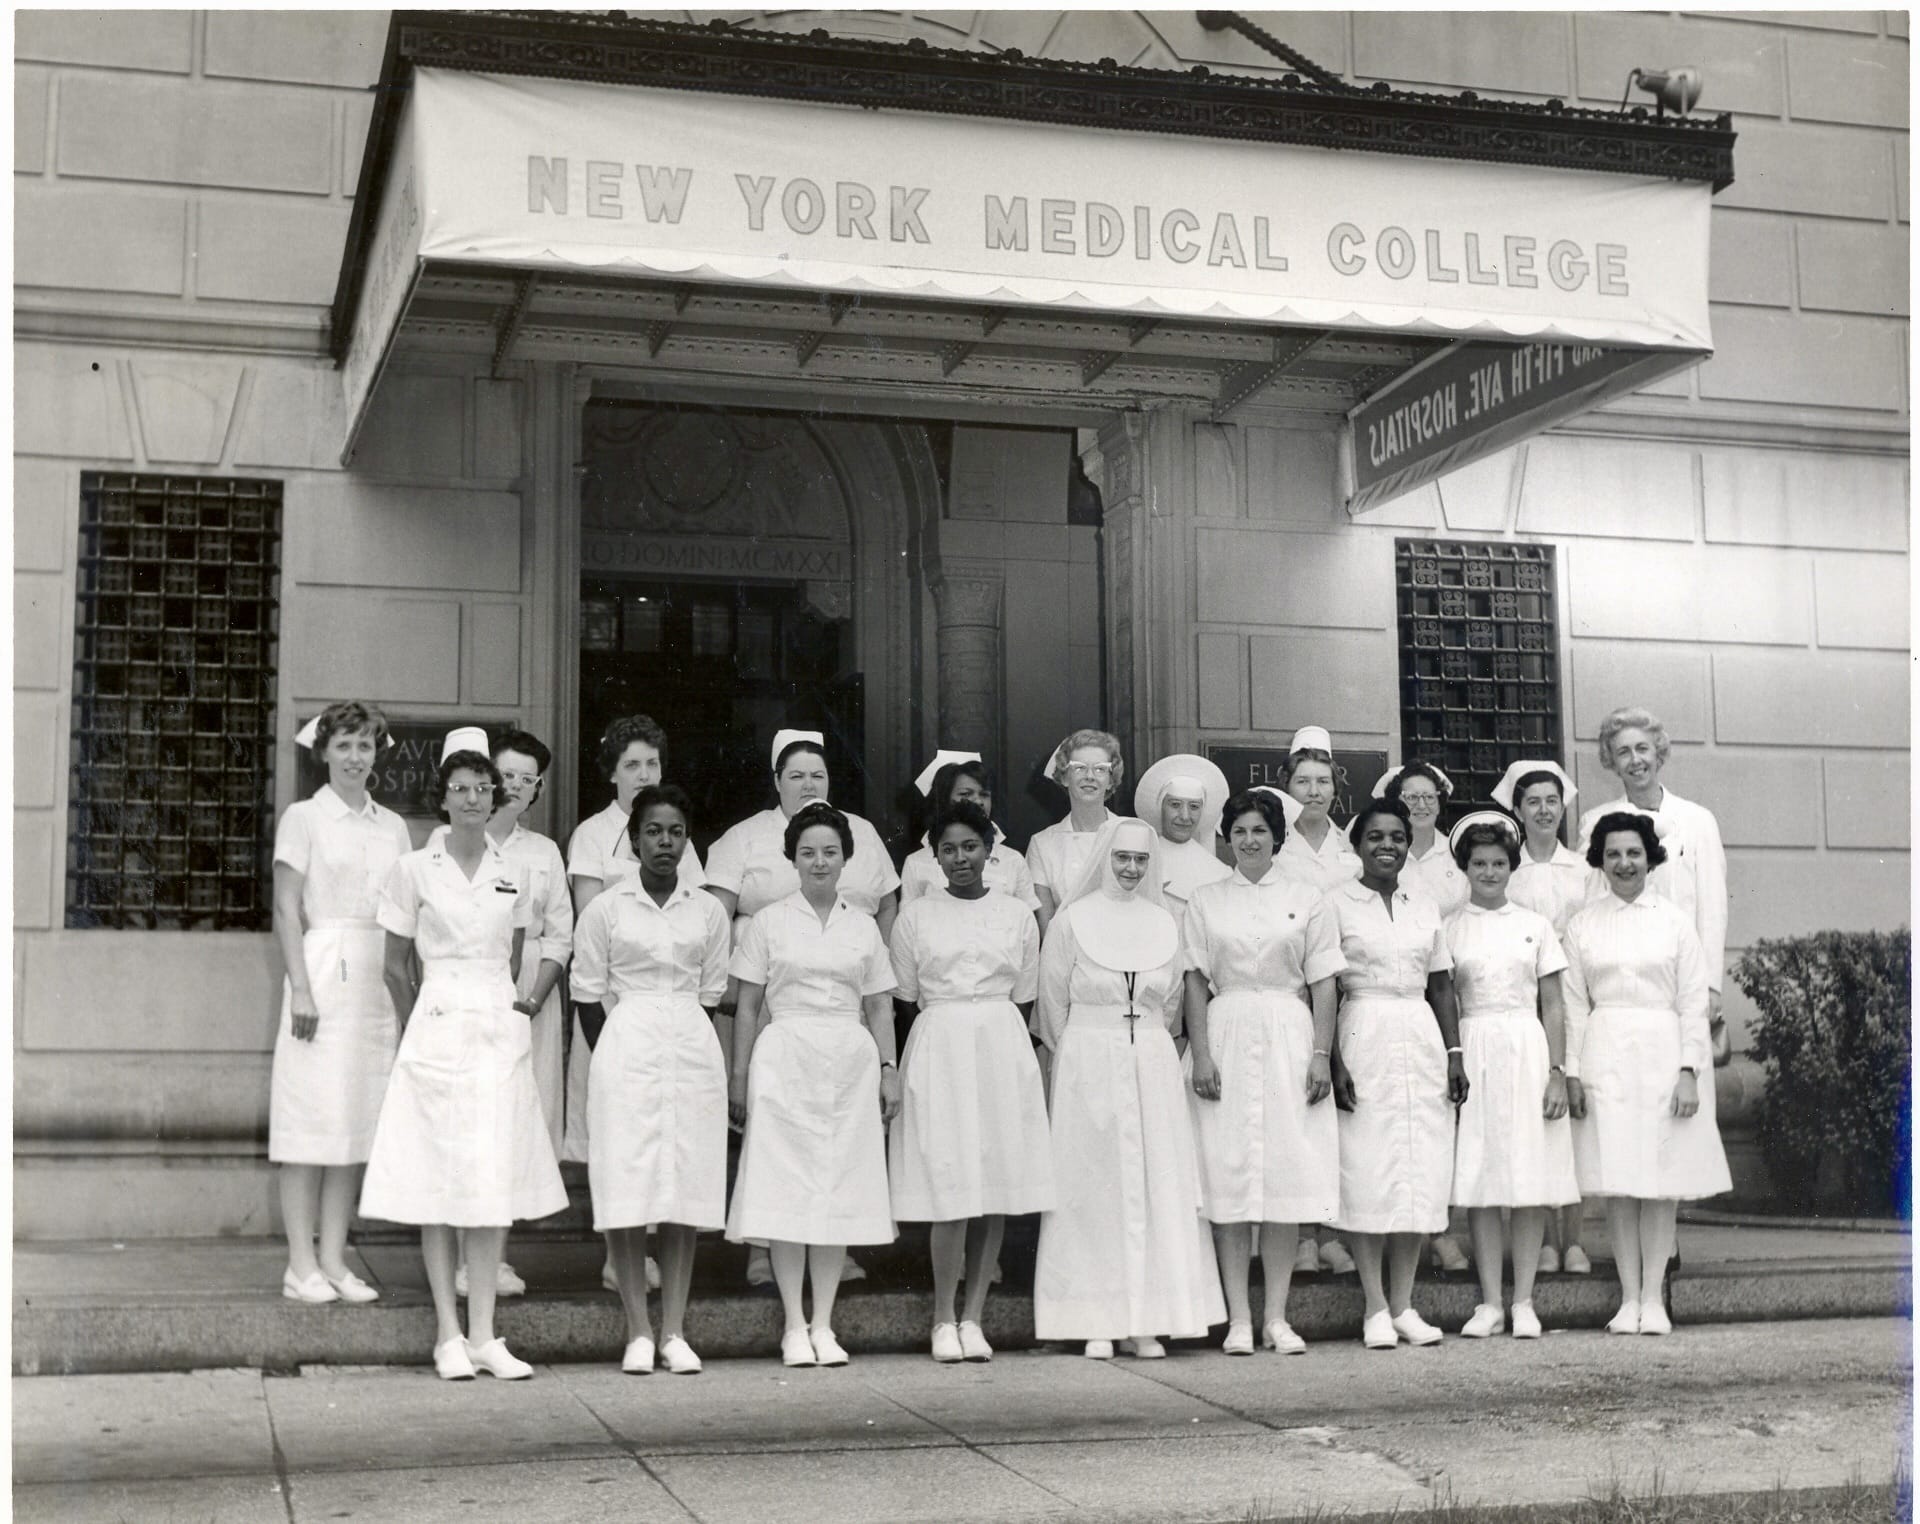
(782, 739)
(466, 738)
(1310, 738)
(1503, 823)
(941, 759)
(307, 734)
(1380, 787)
(1291, 809)
(1503, 791)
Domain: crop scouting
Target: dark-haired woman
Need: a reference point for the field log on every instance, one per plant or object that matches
(970, 1146)
(814, 1081)
(337, 1029)
(1639, 1046)
(963, 777)
(1264, 951)
(1399, 1073)
(650, 954)
(461, 1142)
(1424, 790)
(1512, 1151)
(1551, 880)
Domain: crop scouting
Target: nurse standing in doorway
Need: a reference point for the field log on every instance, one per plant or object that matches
(337, 1025)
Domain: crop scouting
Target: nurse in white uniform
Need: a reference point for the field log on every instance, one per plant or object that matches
(650, 960)
(337, 1030)
(1634, 748)
(1260, 996)
(1182, 797)
(1551, 880)
(523, 761)
(950, 778)
(1315, 853)
(1424, 790)
(1089, 767)
(1638, 1045)
(633, 755)
(461, 1142)
(1398, 1073)
(814, 1080)
(1125, 1254)
(1513, 1151)
(970, 1146)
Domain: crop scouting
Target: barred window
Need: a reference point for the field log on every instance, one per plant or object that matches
(1479, 659)
(170, 804)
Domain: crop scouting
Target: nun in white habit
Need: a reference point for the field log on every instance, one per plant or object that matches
(1181, 797)
(1125, 1255)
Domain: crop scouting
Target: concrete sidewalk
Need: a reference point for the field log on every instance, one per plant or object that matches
(1339, 1431)
(193, 1304)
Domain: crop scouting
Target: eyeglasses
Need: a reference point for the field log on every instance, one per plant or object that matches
(470, 791)
(514, 780)
(1090, 769)
(1420, 801)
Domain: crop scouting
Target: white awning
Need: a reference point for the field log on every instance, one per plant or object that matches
(551, 175)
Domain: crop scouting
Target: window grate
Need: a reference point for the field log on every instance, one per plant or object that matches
(1479, 660)
(170, 808)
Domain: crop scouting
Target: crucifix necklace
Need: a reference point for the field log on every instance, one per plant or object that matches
(1132, 1016)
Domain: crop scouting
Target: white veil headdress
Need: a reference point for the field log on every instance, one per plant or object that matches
(1126, 931)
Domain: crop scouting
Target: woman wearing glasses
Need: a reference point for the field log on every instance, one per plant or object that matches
(1087, 765)
(1424, 790)
(461, 1143)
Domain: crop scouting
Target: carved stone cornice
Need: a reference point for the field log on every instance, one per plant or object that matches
(1316, 111)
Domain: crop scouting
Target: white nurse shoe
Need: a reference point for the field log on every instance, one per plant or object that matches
(1378, 1331)
(1485, 1322)
(679, 1357)
(1526, 1322)
(638, 1359)
(946, 1344)
(1415, 1329)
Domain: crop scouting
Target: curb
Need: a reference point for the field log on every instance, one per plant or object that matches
(95, 1336)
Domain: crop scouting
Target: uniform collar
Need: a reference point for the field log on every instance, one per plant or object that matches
(337, 808)
(493, 861)
(798, 901)
(1438, 849)
(1354, 889)
(1482, 909)
(1648, 896)
(633, 889)
(1273, 876)
(1563, 857)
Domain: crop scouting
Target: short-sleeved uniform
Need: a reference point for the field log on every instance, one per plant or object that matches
(1057, 855)
(1396, 1145)
(657, 1091)
(326, 1092)
(1636, 986)
(599, 849)
(550, 940)
(1332, 863)
(1555, 888)
(1694, 876)
(1184, 867)
(1125, 1252)
(971, 1136)
(1506, 1153)
(461, 1139)
(1435, 871)
(1006, 871)
(813, 1164)
(750, 862)
(1265, 1154)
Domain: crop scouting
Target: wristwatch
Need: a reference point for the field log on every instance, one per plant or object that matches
(1689, 1069)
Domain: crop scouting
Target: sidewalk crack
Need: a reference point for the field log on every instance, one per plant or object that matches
(629, 1449)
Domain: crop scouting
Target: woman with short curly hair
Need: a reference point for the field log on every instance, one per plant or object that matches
(1638, 1060)
(1088, 765)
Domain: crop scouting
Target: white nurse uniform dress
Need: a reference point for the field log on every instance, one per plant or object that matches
(599, 849)
(1396, 1145)
(461, 1140)
(1184, 867)
(971, 1137)
(1006, 872)
(1265, 1154)
(1057, 855)
(813, 1163)
(1506, 1153)
(1332, 863)
(657, 1091)
(1125, 1253)
(1436, 872)
(1636, 985)
(1555, 888)
(1694, 876)
(750, 862)
(326, 1093)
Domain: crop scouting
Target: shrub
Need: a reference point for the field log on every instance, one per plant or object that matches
(1835, 1033)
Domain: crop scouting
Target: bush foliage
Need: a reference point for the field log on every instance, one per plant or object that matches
(1835, 1033)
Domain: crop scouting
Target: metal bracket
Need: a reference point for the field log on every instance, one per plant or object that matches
(510, 323)
(804, 346)
(1244, 380)
(1094, 365)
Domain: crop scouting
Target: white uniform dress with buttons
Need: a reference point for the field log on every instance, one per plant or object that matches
(599, 849)
(326, 1093)
(1396, 1145)
(461, 1140)
(549, 939)
(1555, 888)
(1439, 875)
(1506, 1153)
(1331, 864)
(1265, 1154)
(971, 1137)
(750, 862)
(1006, 871)
(813, 1163)
(1694, 876)
(657, 1092)
(1057, 855)
(1636, 986)
(1125, 1253)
